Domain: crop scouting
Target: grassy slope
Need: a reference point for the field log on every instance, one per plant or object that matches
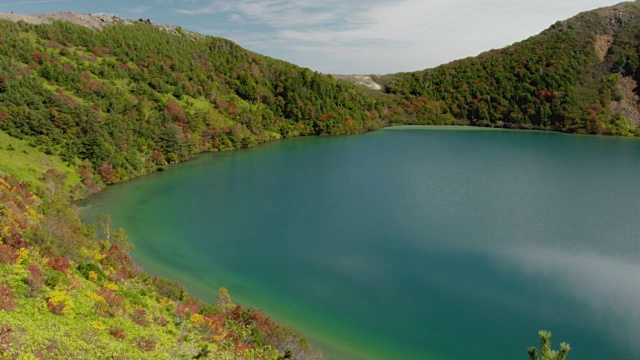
(67, 292)
(25, 163)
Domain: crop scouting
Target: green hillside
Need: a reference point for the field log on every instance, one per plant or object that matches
(70, 291)
(578, 76)
(130, 99)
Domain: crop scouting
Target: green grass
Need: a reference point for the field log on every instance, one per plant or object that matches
(26, 163)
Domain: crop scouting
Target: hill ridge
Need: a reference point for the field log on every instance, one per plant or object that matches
(91, 21)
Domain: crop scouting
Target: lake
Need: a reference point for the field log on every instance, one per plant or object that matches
(407, 243)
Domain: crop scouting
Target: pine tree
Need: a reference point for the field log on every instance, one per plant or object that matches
(545, 349)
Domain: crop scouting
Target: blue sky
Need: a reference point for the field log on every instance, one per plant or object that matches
(345, 36)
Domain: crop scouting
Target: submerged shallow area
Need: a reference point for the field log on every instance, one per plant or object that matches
(407, 242)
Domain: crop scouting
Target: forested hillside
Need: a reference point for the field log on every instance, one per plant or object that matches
(578, 76)
(129, 99)
(80, 108)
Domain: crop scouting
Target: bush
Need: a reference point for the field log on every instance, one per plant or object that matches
(169, 289)
(8, 254)
(145, 344)
(118, 332)
(139, 316)
(59, 263)
(34, 281)
(6, 343)
(54, 278)
(86, 269)
(6, 298)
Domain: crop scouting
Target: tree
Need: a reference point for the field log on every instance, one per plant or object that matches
(224, 302)
(545, 349)
(105, 225)
(121, 239)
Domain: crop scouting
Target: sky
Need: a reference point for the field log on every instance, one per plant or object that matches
(345, 36)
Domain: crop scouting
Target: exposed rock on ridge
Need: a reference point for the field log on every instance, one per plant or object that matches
(92, 21)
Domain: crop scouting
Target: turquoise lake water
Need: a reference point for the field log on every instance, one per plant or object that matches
(407, 243)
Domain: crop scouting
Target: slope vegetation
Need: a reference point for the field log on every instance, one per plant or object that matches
(133, 97)
(579, 76)
(68, 291)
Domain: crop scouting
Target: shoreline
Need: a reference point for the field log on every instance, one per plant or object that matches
(322, 338)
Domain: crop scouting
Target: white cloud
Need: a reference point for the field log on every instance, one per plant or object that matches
(608, 286)
(403, 35)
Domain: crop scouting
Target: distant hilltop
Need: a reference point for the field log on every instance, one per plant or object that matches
(92, 21)
(365, 80)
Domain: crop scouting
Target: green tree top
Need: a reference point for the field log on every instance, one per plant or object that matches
(545, 349)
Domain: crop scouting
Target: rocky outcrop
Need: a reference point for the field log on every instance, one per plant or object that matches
(628, 105)
(92, 21)
(364, 80)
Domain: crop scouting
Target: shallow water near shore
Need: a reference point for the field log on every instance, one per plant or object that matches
(407, 243)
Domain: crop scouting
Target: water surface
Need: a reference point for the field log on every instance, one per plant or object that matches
(408, 243)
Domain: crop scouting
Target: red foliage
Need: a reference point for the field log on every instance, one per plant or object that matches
(118, 332)
(6, 343)
(107, 174)
(59, 263)
(111, 297)
(55, 308)
(145, 344)
(38, 57)
(53, 44)
(66, 99)
(546, 94)
(139, 316)
(25, 71)
(191, 89)
(120, 261)
(243, 346)
(6, 298)
(8, 254)
(227, 108)
(183, 311)
(35, 271)
(4, 116)
(87, 180)
(161, 321)
(34, 281)
(100, 51)
(274, 333)
(15, 218)
(157, 157)
(175, 111)
(93, 85)
(128, 68)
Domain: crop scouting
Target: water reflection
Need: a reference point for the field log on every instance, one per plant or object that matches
(608, 286)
